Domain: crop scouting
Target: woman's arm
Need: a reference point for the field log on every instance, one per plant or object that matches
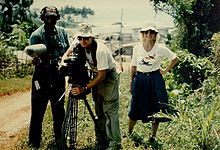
(133, 71)
(172, 64)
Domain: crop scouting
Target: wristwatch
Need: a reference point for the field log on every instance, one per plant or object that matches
(85, 88)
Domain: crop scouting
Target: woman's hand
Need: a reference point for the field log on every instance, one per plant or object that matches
(163, 71)
(172, 64)
(133, 72)
(131, 84)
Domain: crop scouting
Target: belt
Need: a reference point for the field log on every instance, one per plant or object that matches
(50, 62)
(111, 70)
(147, 73)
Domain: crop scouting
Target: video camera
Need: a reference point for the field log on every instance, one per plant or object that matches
(75, 67)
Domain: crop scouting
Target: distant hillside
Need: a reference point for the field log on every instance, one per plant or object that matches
(67, 24)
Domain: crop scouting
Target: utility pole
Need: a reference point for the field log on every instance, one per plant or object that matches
(120, 41)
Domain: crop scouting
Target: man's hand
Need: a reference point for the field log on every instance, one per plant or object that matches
(62, 63)
(36, 61)
(77, 90)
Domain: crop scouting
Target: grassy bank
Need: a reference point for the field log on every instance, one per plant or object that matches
(10, 86)
(196, 125)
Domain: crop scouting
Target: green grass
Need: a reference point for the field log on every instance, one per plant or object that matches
(196, 124)
(10, 86)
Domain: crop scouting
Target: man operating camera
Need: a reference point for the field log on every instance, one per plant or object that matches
(104, 85)
(47, 83)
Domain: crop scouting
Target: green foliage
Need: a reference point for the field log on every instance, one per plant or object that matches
(71, 11)
(191, 69)
(195, 124)
(216, 49)
(16, 26)
(5, 52)
(10, 66)
(28, 27)
(11, 86)
(191, 18)
(18, 37)
(13, 10)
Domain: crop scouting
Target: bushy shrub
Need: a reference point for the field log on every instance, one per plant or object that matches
(191, 69)
(18, 37)
(9, 63)
(192, 19)
(216, 49)
(5, 52)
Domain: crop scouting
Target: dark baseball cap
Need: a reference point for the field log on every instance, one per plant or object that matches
(51, 11)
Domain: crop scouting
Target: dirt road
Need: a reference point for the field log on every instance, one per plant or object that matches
(14, 118)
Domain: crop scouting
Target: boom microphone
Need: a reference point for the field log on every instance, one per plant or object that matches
(35, 50)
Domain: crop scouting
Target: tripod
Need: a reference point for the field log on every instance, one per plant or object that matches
(69, 127)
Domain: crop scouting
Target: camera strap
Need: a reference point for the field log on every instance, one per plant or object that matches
(48, 40)
(93, 52)
(59, 42)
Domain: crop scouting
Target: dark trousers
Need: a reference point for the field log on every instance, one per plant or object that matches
(47, 85)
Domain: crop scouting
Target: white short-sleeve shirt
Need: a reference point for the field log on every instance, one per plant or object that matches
(103, 56)
(150, 61)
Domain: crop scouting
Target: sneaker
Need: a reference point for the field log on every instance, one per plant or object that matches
(115, 148)
(61, 144)
(34, 148)
(101, 144)
(152, 140)
(126, 135)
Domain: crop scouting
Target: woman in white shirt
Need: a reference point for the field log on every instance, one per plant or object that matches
(147, 85)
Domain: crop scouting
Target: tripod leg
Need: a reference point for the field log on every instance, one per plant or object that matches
(69, 128)
(93, 117)
(73, 124)
(66, 123)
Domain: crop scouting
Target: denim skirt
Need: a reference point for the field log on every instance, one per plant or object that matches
(149, 96)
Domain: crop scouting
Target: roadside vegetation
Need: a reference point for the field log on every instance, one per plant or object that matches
(11, 86)
(195, 120)
(17, 22)
(193, 85)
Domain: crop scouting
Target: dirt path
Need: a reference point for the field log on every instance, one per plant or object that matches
(14, 118)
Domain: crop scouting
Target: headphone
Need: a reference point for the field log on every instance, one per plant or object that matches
(44, 11)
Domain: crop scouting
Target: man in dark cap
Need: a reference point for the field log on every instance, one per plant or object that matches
(47, 83)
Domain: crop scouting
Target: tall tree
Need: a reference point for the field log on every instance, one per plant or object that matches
(13, 11)
(192, 18)
(214, 23)
(70, 10)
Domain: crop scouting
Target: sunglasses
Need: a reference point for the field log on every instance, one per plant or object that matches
(150, 31)
(84, 38)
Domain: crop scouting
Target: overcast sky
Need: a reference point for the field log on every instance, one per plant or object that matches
(96, 4)
(135, 12)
